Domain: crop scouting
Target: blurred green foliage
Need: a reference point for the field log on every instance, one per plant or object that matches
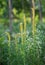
(32, 51)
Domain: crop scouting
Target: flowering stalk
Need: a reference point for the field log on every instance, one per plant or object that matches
(21, 30)
(24, 28)
(33, 18)
(9, 39)
(24, 23)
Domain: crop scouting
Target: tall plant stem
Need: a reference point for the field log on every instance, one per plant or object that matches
(33, 18)
(21, 31)
(9, 39)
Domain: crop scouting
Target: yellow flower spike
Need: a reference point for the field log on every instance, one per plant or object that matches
(21, 30)
(9, 38)
(21, 27)
(33, 21)
(24, 27)
(24, 23)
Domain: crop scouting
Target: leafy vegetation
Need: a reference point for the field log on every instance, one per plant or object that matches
(22, 36)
